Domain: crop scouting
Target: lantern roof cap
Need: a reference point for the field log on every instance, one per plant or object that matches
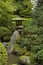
(19, 18)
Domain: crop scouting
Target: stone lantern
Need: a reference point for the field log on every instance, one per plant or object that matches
(18, 22)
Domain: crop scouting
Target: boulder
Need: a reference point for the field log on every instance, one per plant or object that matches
(24, 60)
(16, 52)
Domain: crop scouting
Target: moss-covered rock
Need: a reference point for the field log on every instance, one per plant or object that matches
(25, 60)
(3, 55)
(14, 64)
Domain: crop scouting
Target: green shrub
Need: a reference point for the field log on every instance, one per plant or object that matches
(35, 48)
(23, 42)
(5, 34)
(34, 34)
(39, 58)
(6, 22)
(3, 55)
(21, 51)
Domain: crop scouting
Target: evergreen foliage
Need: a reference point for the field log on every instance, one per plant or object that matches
(39, 58)
(23, 8)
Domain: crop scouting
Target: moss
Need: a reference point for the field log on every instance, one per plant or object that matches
(14, 64)
(22, 57)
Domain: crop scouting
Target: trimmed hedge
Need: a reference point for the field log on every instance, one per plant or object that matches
(3, 55)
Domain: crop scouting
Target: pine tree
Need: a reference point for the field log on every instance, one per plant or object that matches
(38, 14)
(23, 7)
